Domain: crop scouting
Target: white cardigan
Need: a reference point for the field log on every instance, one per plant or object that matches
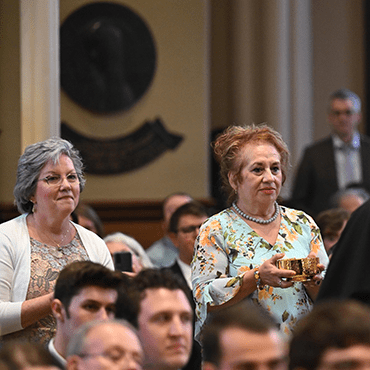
(15, 267)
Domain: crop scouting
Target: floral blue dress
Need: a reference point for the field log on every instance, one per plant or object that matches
(227, 247)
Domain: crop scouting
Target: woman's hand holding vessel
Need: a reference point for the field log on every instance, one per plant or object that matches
(272, 276)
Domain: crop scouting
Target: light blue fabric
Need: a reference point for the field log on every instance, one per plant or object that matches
(227, 247)
(162, 253)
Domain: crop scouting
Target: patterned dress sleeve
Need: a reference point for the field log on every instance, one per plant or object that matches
(212, 284)
(316, 244)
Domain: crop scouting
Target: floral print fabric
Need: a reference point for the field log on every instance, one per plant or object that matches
(227, 247)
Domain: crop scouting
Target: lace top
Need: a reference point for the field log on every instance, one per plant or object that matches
(46, 263)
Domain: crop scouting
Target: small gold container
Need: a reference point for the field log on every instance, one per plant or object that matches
(305, 268)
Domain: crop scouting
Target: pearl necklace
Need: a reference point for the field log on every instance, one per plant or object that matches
(258, 220)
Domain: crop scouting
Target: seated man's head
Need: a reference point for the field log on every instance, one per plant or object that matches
(17, 355)
(331, 223)
(163, 316)
(88, 218)
(242, 337)
(350, 198)
(110, 345)
(184, 228)
(84, 291)
(334, 335)
(170, 204)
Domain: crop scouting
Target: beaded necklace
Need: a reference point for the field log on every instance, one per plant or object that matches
(258, 220)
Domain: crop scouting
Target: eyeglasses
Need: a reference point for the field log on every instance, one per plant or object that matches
(189, 229)
(55, 180)
(337, 113)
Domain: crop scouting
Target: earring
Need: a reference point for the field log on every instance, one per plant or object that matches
(33, 207)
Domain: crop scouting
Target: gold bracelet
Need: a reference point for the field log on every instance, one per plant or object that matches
(257, 277)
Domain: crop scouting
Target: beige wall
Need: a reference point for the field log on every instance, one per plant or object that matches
(178, 95)
(338, 44)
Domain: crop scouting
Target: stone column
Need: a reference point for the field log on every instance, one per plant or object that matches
(40, 96)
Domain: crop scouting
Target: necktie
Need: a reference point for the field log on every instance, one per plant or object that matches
(349, 170)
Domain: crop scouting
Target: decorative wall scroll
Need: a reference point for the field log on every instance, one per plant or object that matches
(126, 153)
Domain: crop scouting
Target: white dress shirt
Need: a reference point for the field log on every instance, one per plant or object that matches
(186, 271)
(354, 158)
(55, 353)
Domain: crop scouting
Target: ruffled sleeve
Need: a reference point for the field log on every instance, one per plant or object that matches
(211, 281)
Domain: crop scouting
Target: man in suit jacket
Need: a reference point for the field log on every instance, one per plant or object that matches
(336, 161)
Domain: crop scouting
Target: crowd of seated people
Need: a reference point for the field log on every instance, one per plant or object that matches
(114, 321)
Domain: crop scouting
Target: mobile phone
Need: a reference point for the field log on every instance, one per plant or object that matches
(122, 261)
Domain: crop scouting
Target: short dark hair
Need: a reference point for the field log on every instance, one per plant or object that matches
(331, 324)
(80, 274)
(244, 315)
(16, 355)
(192, 208)
(331, 220)
(150, 278)
(346, 94)
(168, 197)
(359, 192)
(85, 210)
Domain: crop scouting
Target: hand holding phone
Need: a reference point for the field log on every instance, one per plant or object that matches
(123, 261)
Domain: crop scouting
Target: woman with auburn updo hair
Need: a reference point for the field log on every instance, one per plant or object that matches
(237, 249)
(37, 245)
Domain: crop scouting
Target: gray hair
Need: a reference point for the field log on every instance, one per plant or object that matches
(343, 193)
(33, 160)
(346, 94)
(133, 244)
(76, 345)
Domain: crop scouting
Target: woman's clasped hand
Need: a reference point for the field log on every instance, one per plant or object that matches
(271, 275)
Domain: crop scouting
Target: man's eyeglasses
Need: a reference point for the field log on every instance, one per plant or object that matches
(189, 229)
(55, 180)
(337, 113)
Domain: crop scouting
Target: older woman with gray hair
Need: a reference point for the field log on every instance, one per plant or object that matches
(37, 245)
(119, 242)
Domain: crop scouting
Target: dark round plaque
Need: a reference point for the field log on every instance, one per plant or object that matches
(108, 57)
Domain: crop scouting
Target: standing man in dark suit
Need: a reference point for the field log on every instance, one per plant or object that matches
(335, 162)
